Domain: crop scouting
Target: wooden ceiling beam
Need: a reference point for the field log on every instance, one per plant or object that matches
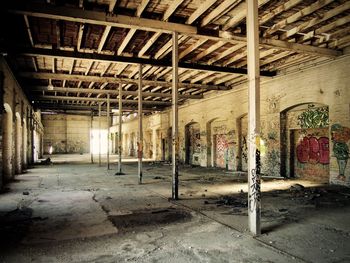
(100, 18)
(209, 50)
(103, 38)
(56, 107)
(200, 10)
(142, 6)
(317, 20)
(220, 10)
(278, 10)
(192, 47)
(62, 76)
(225, 53)
(111, 5)
(30, 36)
(74, 98)
(296, 16)
(171, 9)
(111, 92)
(241, 11)
(94, 57)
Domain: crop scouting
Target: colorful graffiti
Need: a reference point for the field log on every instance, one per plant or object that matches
(340, 138)
(221, 150)
(314, 117)
(313, 150)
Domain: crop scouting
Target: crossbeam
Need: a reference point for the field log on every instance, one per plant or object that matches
(112, 92)
(62, 76)
(40, 52)
(101, 18)
(74, 98)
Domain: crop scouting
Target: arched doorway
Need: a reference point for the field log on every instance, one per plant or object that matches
(305, 142)
(7, 136)
(192, 143)
(18, 144)
(24, 144)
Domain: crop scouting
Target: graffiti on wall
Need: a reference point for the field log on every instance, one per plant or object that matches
(313, 150)
(340, 138)
(314, 117)
(244, 152)
(255, 194)
(311, 154)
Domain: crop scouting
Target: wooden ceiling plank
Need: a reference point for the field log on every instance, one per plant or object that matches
(220, 10)
(86, 99)
(80, 36)
(225, 53)
(240, 14)
(111, 92)
(310, 23)
(100, 18)
(126, 41)
(296, 16)
(209, 50)
(30, 36)
(111, 5)
(192, 47)
(166, 48)
(200, 10)
(296, 47)
(278, 10)
(171, 9)
(142, 6)
(62, 76)
(149, 43)
(103, 38)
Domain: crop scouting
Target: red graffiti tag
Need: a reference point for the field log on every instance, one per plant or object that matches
(313, 150)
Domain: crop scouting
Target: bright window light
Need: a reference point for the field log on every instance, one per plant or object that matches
(95, 142)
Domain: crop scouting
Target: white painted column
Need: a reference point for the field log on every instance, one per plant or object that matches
(175, 129)
(140, 133)
(99, 134)
(120, 112)
(254, 194)
(108, 128)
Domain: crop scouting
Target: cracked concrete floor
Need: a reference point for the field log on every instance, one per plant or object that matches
(83, 213)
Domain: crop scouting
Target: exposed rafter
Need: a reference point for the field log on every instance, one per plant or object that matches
(99, 18)
(112, 92)
(62, 76)
(130, 60)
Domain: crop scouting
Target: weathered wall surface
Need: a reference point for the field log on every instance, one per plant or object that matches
(69, 133)
(19, 125)
(223, 131)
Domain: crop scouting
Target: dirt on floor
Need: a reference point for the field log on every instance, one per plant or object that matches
(82, 212)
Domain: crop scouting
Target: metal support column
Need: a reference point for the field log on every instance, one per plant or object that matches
(120, 148)
(140, 134)
(254, 194)
(108, 128)
(175, 129)
(99, 134)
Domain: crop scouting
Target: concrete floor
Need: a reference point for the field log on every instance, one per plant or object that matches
(80, 212)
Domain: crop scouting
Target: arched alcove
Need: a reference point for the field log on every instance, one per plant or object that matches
(18, 144)
(304, 138)
(192, 143)
(24, 144)
(7, 137)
